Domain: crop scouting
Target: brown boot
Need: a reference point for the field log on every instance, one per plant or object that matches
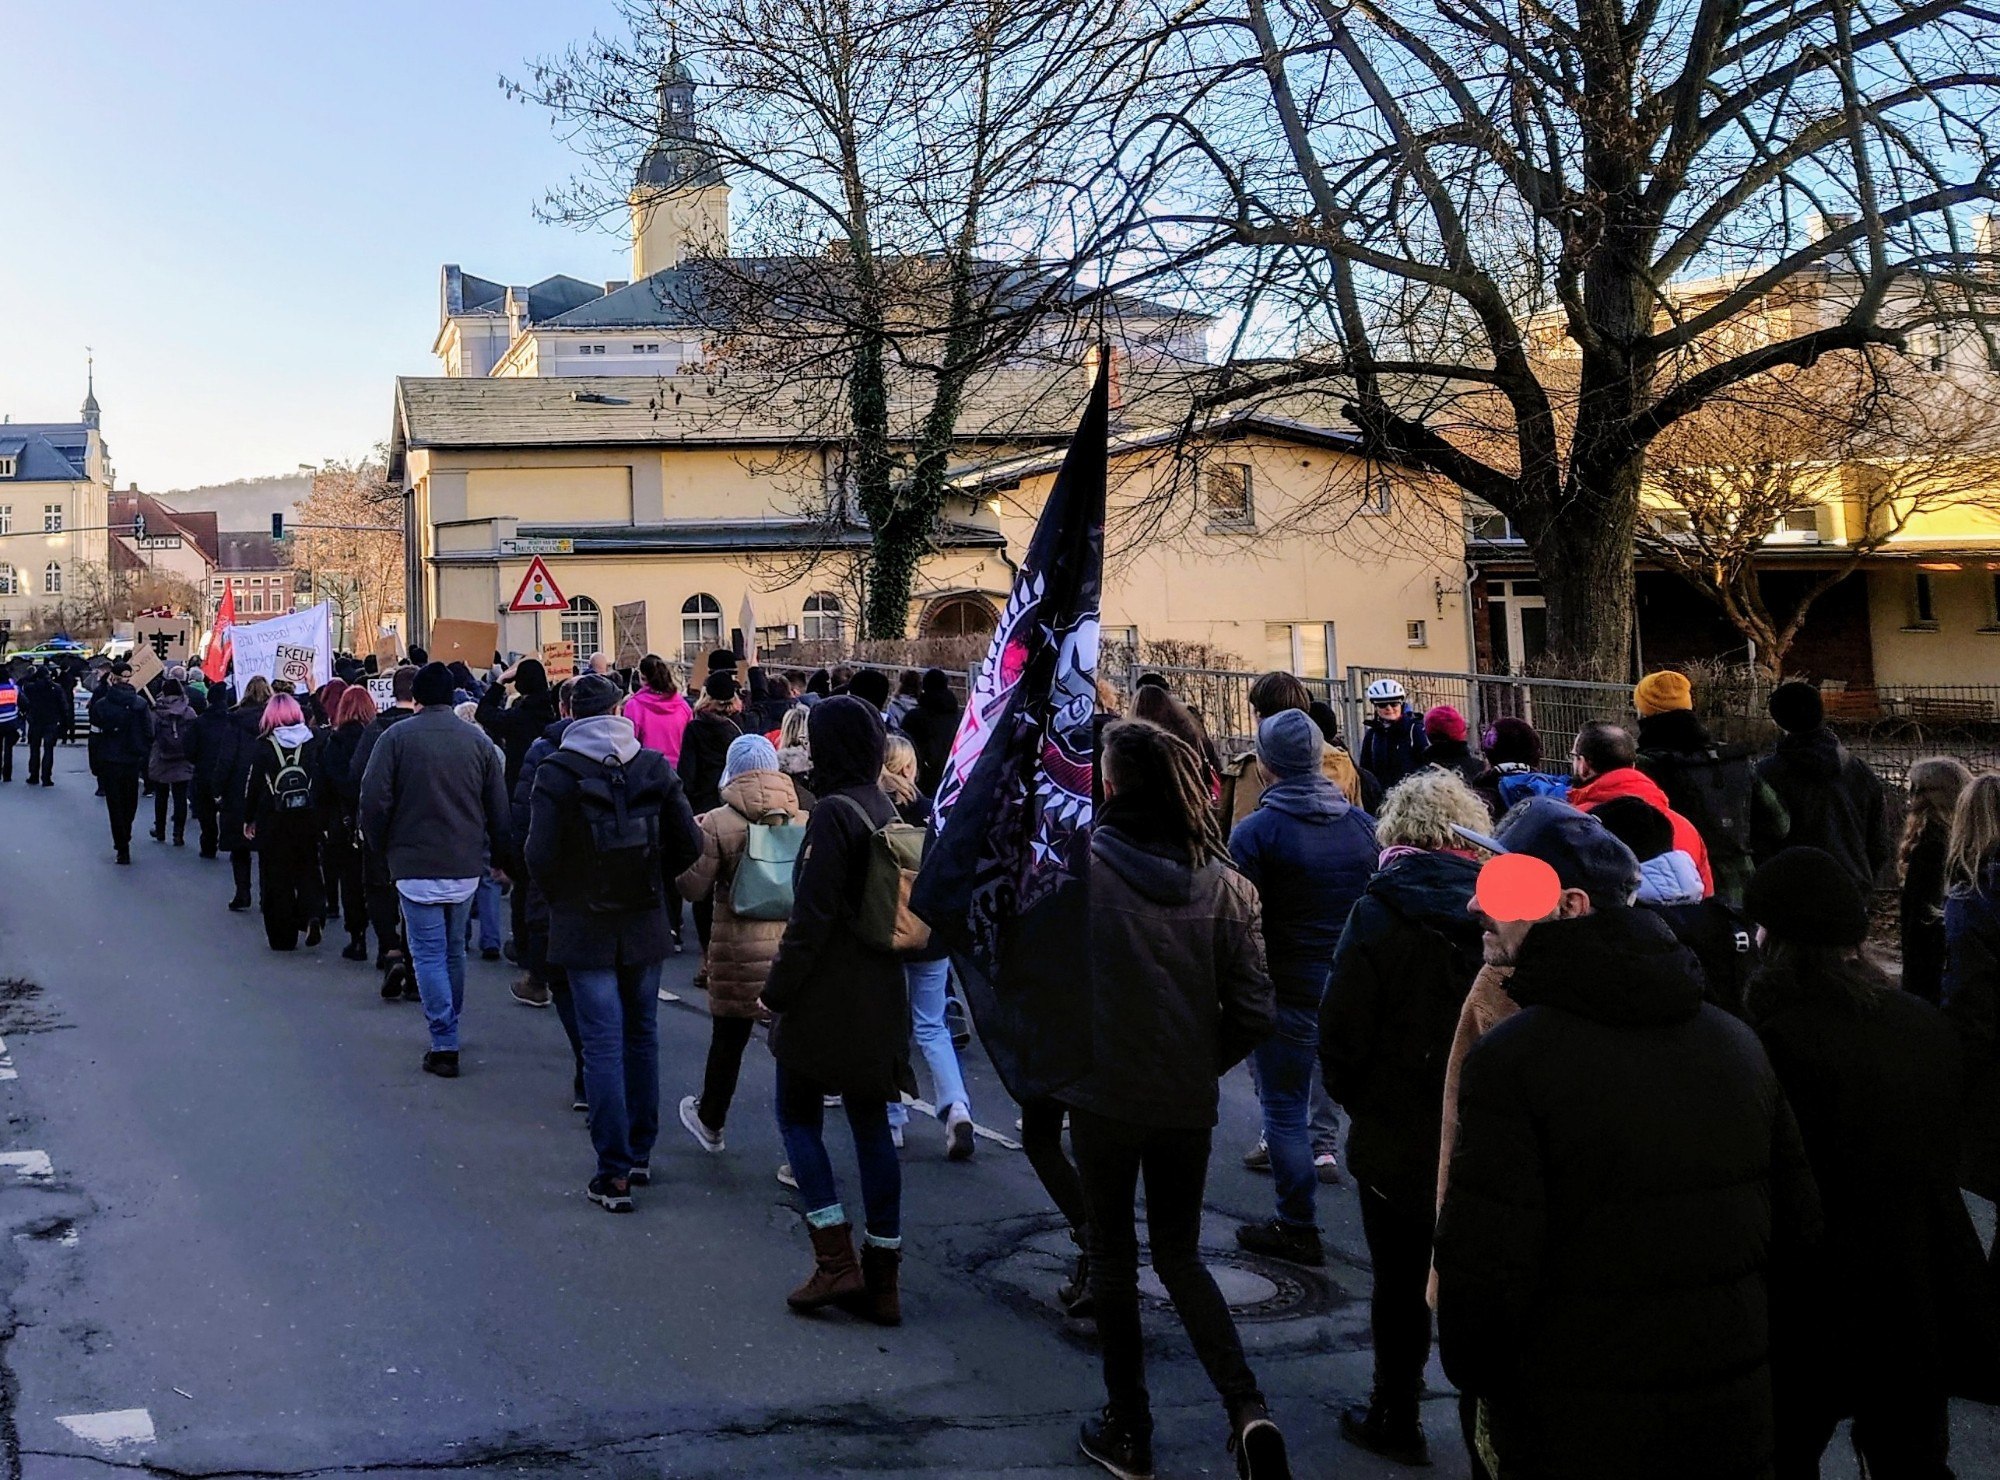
(881, 1301)
(835, 1276)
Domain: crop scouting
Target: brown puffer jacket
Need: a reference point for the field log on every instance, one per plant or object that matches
(739, 951)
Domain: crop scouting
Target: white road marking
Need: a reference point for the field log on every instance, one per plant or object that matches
(118, 1429)
(30, 1165)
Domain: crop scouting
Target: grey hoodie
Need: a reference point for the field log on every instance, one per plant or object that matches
(603, 738)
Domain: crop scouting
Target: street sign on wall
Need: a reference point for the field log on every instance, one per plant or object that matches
(537, 547)
(538, 591)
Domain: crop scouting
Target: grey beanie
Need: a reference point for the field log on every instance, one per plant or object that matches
(592, 695)
(1290, 744)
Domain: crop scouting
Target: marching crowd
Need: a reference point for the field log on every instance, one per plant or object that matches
(1637, 1122)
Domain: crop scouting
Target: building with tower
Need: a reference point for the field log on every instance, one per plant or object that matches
(55, 490)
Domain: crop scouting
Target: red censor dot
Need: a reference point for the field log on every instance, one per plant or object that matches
(1514, 886)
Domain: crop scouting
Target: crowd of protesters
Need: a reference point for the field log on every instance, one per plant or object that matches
(1638, 1123)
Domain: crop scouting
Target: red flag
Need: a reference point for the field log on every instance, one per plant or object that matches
(215, 662)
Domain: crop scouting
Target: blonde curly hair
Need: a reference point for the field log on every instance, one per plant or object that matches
(1422, 808)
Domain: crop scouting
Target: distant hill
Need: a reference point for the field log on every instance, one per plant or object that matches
(247, 503)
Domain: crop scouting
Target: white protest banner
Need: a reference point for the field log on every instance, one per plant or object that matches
(295, 665)
(383, 692)
(309, 634)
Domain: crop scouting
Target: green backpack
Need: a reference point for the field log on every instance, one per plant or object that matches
(894, 851)
(762, 888)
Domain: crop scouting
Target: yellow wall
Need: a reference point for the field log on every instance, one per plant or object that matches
(1964, 647)
(580, 495)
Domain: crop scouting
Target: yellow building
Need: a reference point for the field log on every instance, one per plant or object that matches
(55, 498)
(691, 497)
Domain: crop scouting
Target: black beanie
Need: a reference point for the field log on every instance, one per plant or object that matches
(530, 677)
(435, 685)
(1638, 824)
(594, 694)
(1804, 895)
(871, 684)
(1796, 707)
(721, 687)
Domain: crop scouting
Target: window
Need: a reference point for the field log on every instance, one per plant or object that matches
(1923, 604)
(237, 582)
(1225, 493)
(256, 601)
(1675, 524)
(52, 518)
(1417, 634)
(1798, 526)
(1489, 527)
(701, 625)
(1302, 648)
(1379, 495)
(1518, 623)
(52, 578)
(7, 586)
(645, 349)
(590, 349)
(582, 627)
(6, 467)
(822, 620)
(6, 518)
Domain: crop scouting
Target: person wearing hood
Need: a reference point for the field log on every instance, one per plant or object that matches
(741, 949)
(1179, 996)
(1309, 853)
(842, 1022)
(207, 746)
(1449, 749)
(1514, 768)
(658, 710)
(1871, 1326)
(1720, 935)
(1243, 780)
(608, 833)
(121, 722)
(909, 688)
(1625, 1178)
(385, 908)
(541, 983)
(237, 750)
(1833, 800)
(514, 727)
(281, 822)
(434, 804)
(1604, 761)
(1714, 786)
(170, 766)
(339, 797)
(931, 724)
(1399, 979)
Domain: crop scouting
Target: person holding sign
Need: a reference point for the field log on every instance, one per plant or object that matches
(123, 722)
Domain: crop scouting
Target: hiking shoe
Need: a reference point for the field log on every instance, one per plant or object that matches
(676, 936)
(1260, 1449)
(710, 1141)
(531, 993)
(613, 1194)
(356, 949)
(1397, 1438)
(641, 1174)
(785, 1177)
(1257, 1158)
(1281, 1240)
(958, 1135)
(1117, 1445)
(1326, 1166)
(442, 1062)
(315, 932)
(124, 855)
(240, 903)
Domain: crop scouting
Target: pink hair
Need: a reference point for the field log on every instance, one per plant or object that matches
(282, 710)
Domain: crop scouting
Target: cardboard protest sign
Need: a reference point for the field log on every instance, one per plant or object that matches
(169, 638)
(559, 658)
(146, 666)
(454, 640)
(383, 692)
(295, 666)
(628, 622)
(388, 650)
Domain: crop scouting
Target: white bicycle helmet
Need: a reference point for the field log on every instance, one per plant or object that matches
(1386, 691)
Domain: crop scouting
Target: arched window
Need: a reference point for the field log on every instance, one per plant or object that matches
(582, 628)
(960, 616)
(701, 625)
(823, 622)
(52, 578)
(7, 587)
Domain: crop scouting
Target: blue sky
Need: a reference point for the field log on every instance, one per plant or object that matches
(242, 208)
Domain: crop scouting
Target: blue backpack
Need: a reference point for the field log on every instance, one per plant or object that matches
(1518, 786)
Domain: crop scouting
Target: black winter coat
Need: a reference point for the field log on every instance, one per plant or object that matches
(124, 722)
(337, 789)
(1971, 999)
(518, 809)
(1920, 916)
(1389, 752)
(1738, 815)
(1898, 1281)
(931, 727)
(704, 752)
(44, 702)
(208, 746)
(1626, 1172)
(1834, 801)
(514, 727)
(232, 772)
(290, 832)
(1400, 975)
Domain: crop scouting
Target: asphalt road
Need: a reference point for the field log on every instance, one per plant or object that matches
(247, 1237)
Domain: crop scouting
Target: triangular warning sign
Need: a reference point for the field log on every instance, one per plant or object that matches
(538, 591)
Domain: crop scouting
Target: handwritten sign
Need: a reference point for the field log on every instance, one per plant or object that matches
(295, 664)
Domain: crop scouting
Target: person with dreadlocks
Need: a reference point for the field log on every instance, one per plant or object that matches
(1180, 995)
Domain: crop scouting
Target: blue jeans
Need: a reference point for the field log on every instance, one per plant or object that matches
(926, 981)
(1284, 1083)
(801, 1122)
(437, 956)
(618, 1019)
(1324, 1123)
(486, 906)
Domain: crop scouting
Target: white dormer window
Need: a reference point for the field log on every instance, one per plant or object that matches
(645, 349)
(590, 349)
(6, 467)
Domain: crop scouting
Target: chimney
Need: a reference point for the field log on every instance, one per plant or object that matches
(1822, 224)
(612, 285)
(518, 315)
(1986, 241)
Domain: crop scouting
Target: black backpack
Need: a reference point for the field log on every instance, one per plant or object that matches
(1711, 788)
(291, 787)
(1725, 943)
(622, 813)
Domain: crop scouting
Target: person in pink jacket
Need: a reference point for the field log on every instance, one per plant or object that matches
(658, 711)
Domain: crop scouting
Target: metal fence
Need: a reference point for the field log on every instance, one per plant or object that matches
(1221, 696)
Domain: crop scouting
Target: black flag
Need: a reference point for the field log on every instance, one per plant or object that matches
(1005, 881)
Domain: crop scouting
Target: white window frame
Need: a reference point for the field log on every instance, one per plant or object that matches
(6, 518)
(1306, 635)
(6, 467)
(1219, 518)
(701, 625)
(52, 518)
(52, 578)
(582, 626)
(822, 610)
(1380, 496)
(7, 580)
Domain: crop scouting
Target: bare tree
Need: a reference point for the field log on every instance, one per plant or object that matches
(349, 545)
(915, 210)
(1515, 244)
(1857, 448)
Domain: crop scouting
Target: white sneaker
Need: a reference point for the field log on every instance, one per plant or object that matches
(896, 1136)
(711, 1141)
(958, 1134)
(785, 1177)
